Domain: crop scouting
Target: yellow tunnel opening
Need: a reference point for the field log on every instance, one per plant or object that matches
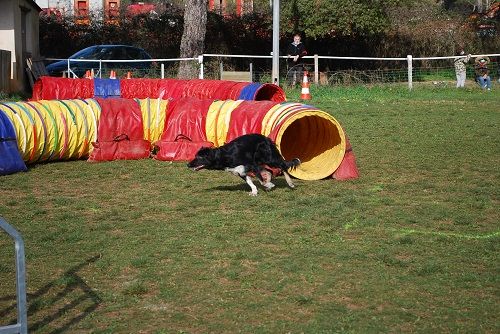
(317, 139)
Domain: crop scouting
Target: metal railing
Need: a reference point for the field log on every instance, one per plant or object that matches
(22, 316)
(101, 61)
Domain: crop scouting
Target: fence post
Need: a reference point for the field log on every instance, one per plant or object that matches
(409, 59)
(162, 71)
(251, 72)
(316, 69)
(221, 69)
(200, 61)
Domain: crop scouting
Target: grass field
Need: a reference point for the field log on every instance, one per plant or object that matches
(412, 246)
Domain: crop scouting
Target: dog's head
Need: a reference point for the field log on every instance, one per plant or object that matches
(205, 158)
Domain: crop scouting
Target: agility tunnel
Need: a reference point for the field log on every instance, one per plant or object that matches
(50, 88)
(299, 131)
(110, 129)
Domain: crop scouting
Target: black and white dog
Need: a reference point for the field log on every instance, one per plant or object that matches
(246, 156)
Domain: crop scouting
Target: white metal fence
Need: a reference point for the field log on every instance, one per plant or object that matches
(404, 69)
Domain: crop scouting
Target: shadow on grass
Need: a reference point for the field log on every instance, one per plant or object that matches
(243, 186)
(58, 305)
(233, 187)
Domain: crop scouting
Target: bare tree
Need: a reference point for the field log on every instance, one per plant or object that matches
(193, 36)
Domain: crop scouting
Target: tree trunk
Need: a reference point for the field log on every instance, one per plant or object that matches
(193, 36)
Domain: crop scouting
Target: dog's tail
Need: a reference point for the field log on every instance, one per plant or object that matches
(292, 164)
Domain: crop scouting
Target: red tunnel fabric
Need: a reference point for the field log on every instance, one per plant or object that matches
(200, 88)
(120, 132)
(212, 89)
(247, 118)
(270, 92)
(139, 88)
(50, 88)
(171, 88)
(174, 88)
(184, 132)
(235, 90)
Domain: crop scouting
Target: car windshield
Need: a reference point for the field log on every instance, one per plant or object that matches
(89, 53)
(107, 52)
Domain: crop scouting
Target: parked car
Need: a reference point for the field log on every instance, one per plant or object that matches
(102, 52)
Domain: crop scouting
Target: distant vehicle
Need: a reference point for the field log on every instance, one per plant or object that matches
(102, 52)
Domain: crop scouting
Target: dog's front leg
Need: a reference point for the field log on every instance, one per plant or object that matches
(241, 171)
(249, 181)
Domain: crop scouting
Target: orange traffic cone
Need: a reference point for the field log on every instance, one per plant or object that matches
(87, 74)
(129, 75)
(305, 94)
(92, 75)
(112, 75)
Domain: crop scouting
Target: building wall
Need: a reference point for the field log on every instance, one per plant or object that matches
(67, 7)
(11, 37)
(224, 7)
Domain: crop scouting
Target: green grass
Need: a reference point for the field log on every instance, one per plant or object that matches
(145, 246)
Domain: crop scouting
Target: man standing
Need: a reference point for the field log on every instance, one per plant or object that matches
(460, 68)
(296, 50)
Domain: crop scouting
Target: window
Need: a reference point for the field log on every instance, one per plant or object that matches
(113, 9)
(82, 8)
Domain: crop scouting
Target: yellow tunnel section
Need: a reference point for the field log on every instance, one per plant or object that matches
(51, 130)
(299, 131)
(317, 139)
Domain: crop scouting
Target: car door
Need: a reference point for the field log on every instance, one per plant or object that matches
(108, 53)
(135, 53)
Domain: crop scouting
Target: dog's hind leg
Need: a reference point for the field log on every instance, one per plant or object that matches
(266, 177)
(288, 179)
(263, 175)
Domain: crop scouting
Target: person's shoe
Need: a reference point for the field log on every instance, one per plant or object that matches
(489, 88)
